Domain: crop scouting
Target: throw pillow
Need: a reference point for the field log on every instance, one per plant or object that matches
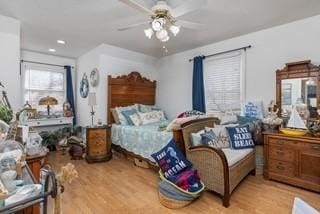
(253, 109)
(115, 116)
(122, 119)
(190, 113)
(222, 136)
(151, 117)
(146, 108)
(240, 137)
(196, 138)
(127, 114)
(228, 119)
(171, 160)
(135, 119)
(209, 139)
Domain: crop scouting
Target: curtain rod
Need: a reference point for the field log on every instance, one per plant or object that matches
(42, 63)
(223, 52)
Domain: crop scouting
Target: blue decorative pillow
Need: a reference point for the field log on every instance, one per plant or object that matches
(253, 109)
(240, 137)
(208, 138)
(127, 114)
(171, 160)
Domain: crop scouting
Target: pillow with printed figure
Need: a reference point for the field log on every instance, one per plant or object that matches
(252, 109)
(151, 117)
(240, 137)
(171, 160)
(122, 119)
(221, 135)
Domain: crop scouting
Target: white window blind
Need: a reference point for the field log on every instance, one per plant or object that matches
(40, 81)
(224, 81)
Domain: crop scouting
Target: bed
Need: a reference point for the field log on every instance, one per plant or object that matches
(135, 142)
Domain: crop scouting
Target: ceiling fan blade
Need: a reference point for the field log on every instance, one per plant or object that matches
(190, 25)
(187, 7)
(132, 26)
(139, 7)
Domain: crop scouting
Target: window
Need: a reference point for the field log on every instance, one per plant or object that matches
(224, 81)
(39, 81)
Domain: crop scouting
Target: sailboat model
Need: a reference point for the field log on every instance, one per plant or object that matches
(296, 126)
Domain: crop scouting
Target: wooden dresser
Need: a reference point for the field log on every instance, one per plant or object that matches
(98, 144)
(292, 160)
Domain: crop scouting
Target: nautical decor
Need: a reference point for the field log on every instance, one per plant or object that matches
(295, 126)
(84, 86)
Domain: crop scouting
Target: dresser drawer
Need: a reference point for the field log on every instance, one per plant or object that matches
(282, 143)
(281, 153)
(282, 167)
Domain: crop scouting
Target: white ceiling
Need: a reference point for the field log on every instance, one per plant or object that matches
(84, 24)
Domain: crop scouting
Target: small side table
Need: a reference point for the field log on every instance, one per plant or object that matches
(98, 144)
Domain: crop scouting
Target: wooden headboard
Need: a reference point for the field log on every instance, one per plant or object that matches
(129, 89)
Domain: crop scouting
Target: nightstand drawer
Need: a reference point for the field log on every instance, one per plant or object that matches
(281, 153)
(97, 134)
(282, 167)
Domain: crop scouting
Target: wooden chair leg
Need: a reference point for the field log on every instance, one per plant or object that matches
(253, 172)
(226, 200)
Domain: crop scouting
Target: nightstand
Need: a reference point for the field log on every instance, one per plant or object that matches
(98, 144)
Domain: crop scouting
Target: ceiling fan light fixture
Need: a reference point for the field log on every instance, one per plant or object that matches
(174, 29)
(148, 32)
(157, 24)
(162, 34)
(165, 39)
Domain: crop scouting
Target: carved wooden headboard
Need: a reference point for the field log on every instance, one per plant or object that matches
(129, 89)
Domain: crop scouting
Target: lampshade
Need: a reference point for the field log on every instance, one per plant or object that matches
(92, 101)
(148, 32)
(48, 101)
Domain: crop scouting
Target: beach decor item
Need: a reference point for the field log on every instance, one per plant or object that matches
(84, 86)
(66, 175)
(295, 126)
(94, 77)
(272, 122)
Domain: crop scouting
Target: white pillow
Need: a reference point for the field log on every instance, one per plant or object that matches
(228, 119)
(135, 119)
(222, 134)
(151, 117)
(146, 108)
(196, 138)
(122, 119)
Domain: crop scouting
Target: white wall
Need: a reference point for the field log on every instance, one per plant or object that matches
(113, 61)
(271, 49)
(9, 58)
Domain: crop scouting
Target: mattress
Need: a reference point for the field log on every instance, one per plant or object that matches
(141, 140)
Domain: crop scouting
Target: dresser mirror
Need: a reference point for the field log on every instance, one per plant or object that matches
(298, 85)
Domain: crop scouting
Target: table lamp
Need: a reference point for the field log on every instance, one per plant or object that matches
(92, 101)
(48, 101)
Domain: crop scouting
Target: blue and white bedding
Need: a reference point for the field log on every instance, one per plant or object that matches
(141, 140)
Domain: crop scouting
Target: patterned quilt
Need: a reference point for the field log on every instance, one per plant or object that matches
(141, 140)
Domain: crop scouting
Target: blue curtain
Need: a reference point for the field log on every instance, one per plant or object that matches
(70, 97)
(198, 96)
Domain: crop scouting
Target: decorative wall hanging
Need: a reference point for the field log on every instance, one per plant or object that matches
(94, 77)
(84, 86)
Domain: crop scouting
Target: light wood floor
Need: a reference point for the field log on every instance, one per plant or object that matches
(119, 187)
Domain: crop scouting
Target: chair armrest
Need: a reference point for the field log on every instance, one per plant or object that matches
(212, 166)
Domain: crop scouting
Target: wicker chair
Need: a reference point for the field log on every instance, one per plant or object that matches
(212, 164)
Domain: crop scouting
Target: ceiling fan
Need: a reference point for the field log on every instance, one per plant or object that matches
(164, 18)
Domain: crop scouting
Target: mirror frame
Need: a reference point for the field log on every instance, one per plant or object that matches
(294, 70)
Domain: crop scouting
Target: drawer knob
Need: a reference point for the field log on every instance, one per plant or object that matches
(316, 147)
(280, 142)
(280, 167)
(279, 153)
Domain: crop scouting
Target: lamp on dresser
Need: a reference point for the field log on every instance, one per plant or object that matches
(92, 101)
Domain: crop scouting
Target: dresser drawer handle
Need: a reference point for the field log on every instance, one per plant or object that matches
(316, 147)
(280, 142)
(280, 153)
(280, 167)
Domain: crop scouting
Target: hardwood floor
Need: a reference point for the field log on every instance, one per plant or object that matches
(119, 187)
